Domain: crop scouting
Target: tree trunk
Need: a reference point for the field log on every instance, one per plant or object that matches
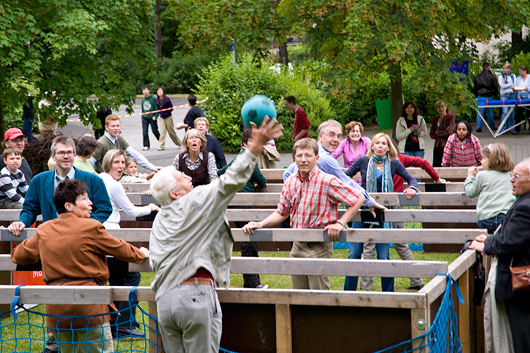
(517, 42)
(396, 93)
(158, 29)
(284, 57)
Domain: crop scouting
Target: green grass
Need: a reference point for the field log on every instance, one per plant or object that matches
(7, 330)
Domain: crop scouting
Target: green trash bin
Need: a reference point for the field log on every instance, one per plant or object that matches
(383, 108)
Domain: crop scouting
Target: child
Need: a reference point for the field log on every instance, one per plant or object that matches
(493, 185)
(462, 148)
(13, 185)
(131, 176)
(86, 148)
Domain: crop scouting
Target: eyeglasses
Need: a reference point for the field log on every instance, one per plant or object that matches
(333, 136)
(516, 176)
(64, 153)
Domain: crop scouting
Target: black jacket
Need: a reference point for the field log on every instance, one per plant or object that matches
(512, 241)
(485, 84)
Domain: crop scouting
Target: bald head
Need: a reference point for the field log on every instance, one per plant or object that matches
(521, 178)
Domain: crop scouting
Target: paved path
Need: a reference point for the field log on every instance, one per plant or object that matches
(132, 131)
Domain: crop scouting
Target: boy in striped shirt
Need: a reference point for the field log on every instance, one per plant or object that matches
(13, 185)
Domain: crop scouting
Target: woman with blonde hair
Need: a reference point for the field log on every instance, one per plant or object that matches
(195, 161)
(354, 145)
(377, 169)
(492, 185)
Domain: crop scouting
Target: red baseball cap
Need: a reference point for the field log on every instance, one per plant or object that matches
(13, 133)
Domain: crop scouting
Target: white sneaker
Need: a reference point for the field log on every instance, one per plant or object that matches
(161, 148)
(145, 148)
(262, 286)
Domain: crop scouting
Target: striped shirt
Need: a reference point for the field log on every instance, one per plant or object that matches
(12, 186)
(467, 153)
(313, 202)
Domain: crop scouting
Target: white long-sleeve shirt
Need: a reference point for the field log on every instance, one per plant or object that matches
(119, 199)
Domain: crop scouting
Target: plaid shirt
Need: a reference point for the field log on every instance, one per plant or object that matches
(467, 153)
(313, 202)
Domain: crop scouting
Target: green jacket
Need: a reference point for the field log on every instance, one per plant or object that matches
(256, 179)
(148, 105)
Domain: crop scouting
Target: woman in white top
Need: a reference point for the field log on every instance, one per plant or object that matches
(410, 130)
(506, 83)
(522, 82)
(114, 165)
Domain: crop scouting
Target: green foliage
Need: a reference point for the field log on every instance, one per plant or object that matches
(228, 85)
(76, 48)
(518, 60)
(178, 74)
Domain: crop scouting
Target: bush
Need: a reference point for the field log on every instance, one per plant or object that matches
(228, 85)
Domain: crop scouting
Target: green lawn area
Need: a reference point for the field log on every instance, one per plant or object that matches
(21, 330)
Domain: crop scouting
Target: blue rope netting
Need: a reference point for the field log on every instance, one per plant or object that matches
(27, 331)
(442, 336)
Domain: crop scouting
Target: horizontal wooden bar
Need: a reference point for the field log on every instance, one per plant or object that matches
(326, 267)
(277, 187)
(390, 215)
(363, 235)
(452, 173)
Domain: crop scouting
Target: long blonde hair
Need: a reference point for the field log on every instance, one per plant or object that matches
(392, 152)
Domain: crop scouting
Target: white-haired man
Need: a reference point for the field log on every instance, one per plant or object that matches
(191, 247)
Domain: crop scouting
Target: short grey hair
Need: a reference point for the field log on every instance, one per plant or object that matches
(65, 140)
(322, 128)
(162, 184)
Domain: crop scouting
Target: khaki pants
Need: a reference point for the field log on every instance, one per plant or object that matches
(311, 250)
(166, 125)
(403, 251)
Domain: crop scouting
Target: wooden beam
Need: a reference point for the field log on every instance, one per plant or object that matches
(326, 267)
(464, 312)
(355, 235)
(284, 339)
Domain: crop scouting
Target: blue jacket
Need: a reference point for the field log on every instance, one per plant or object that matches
(213, 146)
(39, 198)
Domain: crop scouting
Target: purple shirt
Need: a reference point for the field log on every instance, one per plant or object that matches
(351, 153)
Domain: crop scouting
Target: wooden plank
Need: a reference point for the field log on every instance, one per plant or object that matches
(362, 235)
(453, 173)
(154, 338)
(418, 324)
(464, 312)
(390, 215)
(400, 300)
(284, 339)
(326, 267)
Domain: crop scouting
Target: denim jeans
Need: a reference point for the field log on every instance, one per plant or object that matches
(491, 122)
(420, 153)
(356, 250)
(491, 223)
(510, 122)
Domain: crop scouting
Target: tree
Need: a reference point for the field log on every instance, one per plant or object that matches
(382, 35)
(76, 48)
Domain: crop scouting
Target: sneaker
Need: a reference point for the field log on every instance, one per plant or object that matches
(161, 148)
(262, 286)
(145, 148)
(415, 287)
(134, 334)
(479, 130)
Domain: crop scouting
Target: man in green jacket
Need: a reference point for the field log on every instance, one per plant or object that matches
(149, 105)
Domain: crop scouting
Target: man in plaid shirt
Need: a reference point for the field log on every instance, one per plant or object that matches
(311, 197)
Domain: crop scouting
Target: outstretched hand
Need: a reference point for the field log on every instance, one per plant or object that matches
(269, 129)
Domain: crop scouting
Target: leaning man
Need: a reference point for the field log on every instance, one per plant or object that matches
(191, 248)
(311, 197)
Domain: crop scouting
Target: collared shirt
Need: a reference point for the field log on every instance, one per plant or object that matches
(57, 178)
(351, 152)
(313, 202)
(129, 151)
(212, 167)
(329, 165)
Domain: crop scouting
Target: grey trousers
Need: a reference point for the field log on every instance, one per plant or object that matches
(190, 319)
(311, 250)
(403, 251)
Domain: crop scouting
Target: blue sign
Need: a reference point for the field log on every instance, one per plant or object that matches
(462, 67)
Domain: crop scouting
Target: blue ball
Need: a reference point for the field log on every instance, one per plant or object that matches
(256, 108)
